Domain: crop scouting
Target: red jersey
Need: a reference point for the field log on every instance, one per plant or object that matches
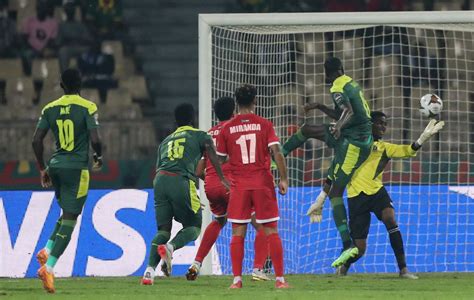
(211, 178)
(246, 139)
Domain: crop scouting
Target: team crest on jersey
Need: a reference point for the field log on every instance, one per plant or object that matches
(338, 98)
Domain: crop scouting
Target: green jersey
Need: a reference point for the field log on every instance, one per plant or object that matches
(181, 151)
(70, 118)
(345, 90)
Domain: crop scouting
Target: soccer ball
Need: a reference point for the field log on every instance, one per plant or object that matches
(430, 105)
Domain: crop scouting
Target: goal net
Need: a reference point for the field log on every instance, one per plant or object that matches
(396, 58)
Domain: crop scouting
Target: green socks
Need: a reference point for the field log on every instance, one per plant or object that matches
(295, 141)
(63, 236)
(340, 218)
(50, 243)
(184, 236)
(160, 238)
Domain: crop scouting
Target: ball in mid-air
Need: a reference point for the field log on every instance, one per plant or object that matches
(430, 105)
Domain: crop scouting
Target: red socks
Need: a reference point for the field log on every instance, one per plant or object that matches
(276, 253)
(208, 239)
(237, 254)
(261, 249)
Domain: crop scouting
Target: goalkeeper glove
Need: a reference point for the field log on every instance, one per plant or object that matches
(432, 128)
(97, 162)
(315, 211)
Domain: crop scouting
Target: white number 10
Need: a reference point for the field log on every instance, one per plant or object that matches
(247, 157)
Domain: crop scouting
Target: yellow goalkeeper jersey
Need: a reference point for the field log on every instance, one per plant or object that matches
(368, 177)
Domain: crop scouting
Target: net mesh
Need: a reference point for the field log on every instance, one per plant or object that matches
(395, 65)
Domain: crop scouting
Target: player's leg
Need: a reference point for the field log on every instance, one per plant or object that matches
(361, 245)
(386, 213)
(261, 252)
(187, 211)
(348, 157)
(359, 224)
(266, 213)
(73, 190)
(237, 252)
(336, 185)
(239, 213)
(164, 217)
(218, 200)
(208, 240)
(42, 255)
(302, 135)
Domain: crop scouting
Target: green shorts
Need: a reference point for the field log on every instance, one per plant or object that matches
(348, 156)
(176, 197)
(71, 187)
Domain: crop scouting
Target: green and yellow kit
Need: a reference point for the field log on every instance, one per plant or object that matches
(70, 118)
(175, 180)
(353, 146)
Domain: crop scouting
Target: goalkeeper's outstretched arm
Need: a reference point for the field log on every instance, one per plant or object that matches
(431, 129)
(405, 151)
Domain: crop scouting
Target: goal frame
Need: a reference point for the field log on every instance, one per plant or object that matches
(206, 21)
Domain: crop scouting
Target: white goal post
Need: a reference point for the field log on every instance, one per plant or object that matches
(303, 23)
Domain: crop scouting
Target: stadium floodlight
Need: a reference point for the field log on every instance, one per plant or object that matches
(397, 57)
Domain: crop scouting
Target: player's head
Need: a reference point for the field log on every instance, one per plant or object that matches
(224, 108)
(245, 95)
(71, 81)
(333, 69)
(184, 114)
(379, 124)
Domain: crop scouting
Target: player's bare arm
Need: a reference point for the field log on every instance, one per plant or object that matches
(215, 161)
(96, 144)
(281, 165)
(332, 113)
(201, 169)
(346, 115)
(38, 149)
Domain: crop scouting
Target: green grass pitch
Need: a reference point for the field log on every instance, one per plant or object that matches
(355, 286)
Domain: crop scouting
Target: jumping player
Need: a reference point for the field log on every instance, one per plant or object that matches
(218, 198)
(247, 141)
(351, 138)
(175, 189)
(74, 123)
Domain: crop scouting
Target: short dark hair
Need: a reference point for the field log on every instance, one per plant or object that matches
(376, 114)
(333, 64)
(71, 80)
(245, 94)
(184, 114)
(224, 108)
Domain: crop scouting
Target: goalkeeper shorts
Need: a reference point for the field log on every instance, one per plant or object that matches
(360, 208)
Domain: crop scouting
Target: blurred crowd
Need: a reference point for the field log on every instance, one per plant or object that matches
(257, 6)
(70, 30)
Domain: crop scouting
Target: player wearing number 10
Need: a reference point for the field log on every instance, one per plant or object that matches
(175, 189)
(351, 138)
(74, 123)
